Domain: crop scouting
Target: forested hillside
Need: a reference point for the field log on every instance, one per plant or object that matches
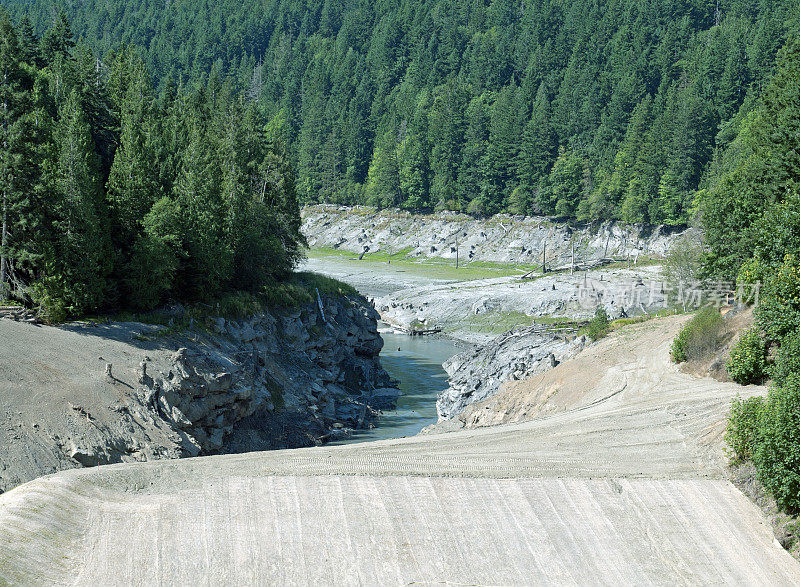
(752, 221)
(580, 108)
(116, 196)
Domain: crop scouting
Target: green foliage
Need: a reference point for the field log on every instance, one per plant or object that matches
(598, 327)
(116, 196)
(751, 210)
(748, 360)
(777, 451)
(787, 360)
(682, 267)
(438, 104)
(741, 432)
(301, 288)
(752, 272)
(699, 338)
(752, 227)
(778, 312)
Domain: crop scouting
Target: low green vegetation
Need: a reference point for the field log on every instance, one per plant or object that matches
(699, 338)
(748, 360)
(598, 327)
(742, 429)
(787, 359)
(438, 268)
(766, 431)
(495, 322)
(299, 289)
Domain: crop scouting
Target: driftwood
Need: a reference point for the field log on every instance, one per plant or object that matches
(417, 331)
(578, 266)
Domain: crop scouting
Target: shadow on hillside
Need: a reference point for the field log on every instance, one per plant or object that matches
(137, 334)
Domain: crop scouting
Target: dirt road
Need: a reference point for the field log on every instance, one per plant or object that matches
(624, 483)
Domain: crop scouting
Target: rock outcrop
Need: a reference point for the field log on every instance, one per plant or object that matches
(500, 239)
(478, 373)
(320, 368)
(479, 310)
(92, 394)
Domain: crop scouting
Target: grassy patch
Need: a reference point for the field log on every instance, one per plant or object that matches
(553, 320)
(435, 267)
(496, 322)
(699, 338)
(298, 290)
(620, 323)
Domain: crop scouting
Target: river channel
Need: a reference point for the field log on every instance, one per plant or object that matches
(415, 361)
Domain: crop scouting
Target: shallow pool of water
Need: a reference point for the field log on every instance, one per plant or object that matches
(415, 361)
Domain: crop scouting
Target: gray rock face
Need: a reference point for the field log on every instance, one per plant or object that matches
(276, 380)
(296, 367)
(479, 372)
(503, 238)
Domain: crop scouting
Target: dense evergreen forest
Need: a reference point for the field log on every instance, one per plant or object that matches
(588, 109)
(115, 195)
(155, 157)
(751, 216)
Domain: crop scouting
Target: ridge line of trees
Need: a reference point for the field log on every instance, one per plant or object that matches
(116, 195)
(589, 109)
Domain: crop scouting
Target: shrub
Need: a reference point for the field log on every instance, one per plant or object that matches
(776, 453)
(699, 338)
(741, 433)
(778, 311)
(752, 271)
(598, 327)
(301, 288)
(787, 361)
(748, 358)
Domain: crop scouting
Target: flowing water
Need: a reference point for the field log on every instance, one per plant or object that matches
(415, 361)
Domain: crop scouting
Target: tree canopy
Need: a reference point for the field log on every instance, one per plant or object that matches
(118, 195)
(593, 109)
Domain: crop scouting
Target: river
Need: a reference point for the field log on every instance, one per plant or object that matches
(415, 361)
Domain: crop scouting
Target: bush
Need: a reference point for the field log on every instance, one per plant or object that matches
(598, 327)
(748, 359)
(787, 361)
(752, 271)
(741, 433)
(776, 453)
(778, 311)
(699, 338)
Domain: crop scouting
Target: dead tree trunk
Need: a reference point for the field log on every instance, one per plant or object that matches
(3, 249)
(544, 257)
(572, 267)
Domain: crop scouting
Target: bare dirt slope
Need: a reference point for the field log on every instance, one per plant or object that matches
(631, 367)
(57, 407)
(624, 483)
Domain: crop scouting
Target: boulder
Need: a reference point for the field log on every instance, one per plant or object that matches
(384, 398)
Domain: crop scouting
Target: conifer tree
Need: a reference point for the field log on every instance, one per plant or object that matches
(74, 281)
(17, 173)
